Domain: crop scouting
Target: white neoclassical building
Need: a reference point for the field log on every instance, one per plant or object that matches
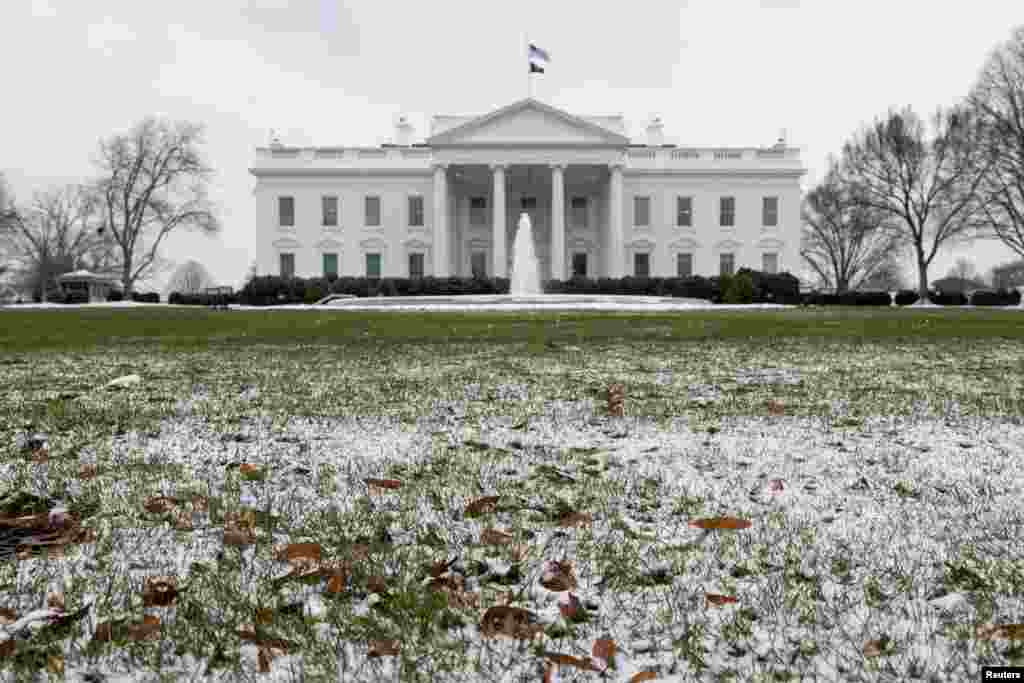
(600, 204)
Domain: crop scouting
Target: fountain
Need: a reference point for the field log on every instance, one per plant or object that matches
(525, 278)
(525, 291)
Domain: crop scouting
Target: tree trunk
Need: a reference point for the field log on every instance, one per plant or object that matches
(125, 281)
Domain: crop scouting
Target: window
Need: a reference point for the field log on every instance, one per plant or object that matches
(684, 211)
(684, 265)
(286, 211)
(287, 265)
(373, 265)
(478, 210)
(726, 264)
(478, 263)
(579, 212)
(415, 265)
(330, 265)
(727, 211)
(770, 263)
(329, 209)
(642, 265)
(579, 264)
(416, 210)
(770, 211)
(641, 210)
(373, 211)
(528, 203)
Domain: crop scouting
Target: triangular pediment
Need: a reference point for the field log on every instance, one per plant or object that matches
(527, 122)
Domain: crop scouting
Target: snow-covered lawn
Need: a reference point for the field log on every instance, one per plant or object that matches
(429, 499)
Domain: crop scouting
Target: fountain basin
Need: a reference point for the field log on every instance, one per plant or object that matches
(517, 302)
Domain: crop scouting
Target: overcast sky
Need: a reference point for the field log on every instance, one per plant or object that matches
(327, 72)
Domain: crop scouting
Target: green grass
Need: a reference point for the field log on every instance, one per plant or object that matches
(337, 364)
(182, 328)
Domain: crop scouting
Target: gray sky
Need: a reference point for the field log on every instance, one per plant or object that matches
(326, 72)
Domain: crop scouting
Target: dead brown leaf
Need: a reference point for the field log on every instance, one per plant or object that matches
(300, 551)
(720, 523)
(1006, 631)
(159, 591)
(382, 648)
(775, 407)
(55, 601)
(642, 676)
(558, 577)
(513, 622)
(604, 649)
(575, 519)
(715, 599)
(239, 537)
(383, 483)
(571, 608)
(495, 537)
(482, 506)
(7, 616)
(568, 660)
(159, 504)
(87, 471)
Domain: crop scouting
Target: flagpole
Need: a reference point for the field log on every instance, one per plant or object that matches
(529, 71)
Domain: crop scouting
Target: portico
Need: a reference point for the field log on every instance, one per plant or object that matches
(478, 208)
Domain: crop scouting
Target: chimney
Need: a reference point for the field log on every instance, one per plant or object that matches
(781, 142)
(275, 141)
(403, 132)
(655, 134)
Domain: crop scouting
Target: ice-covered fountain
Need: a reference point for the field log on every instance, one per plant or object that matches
(525, 291)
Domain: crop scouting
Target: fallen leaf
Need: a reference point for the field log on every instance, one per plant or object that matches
(642, 676)
(55, 601)
(7, 616)
(383, 483)
(297, 551)
(558, 577)
(720, 523)
(604, 649)
(495, 537)
(159, 504)
(569, 660)
(775, 407)
(571, 608)
(239, 537)
(1007, 631)
(337, 581)
(160, 591)
(264, 658)
(775, 486)
(382, 648)
(55, 664)
(265, 641)
(87, 471)
(482, 506)
(574, 519)
(376, 584)
(146, 629)
(718, 599)
(513, 622)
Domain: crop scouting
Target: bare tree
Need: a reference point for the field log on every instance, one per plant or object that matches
(153, 182)
(963, 270)
(191, 277)
(888, 277)
(997, 100)
(1008, 275)
(57, 233)
(845, 241)
(929, 186)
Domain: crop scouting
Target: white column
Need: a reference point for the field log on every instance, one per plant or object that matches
(615, 210)
(441, 267)
(557, 221)
(498, 233)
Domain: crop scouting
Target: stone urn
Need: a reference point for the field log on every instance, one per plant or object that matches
(892, 295)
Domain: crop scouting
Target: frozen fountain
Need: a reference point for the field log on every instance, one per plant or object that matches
(525, 280)
(525, 291)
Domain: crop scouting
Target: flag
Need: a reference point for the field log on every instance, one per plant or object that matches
(538, 59)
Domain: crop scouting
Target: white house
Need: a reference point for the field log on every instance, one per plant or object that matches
(450, 205)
